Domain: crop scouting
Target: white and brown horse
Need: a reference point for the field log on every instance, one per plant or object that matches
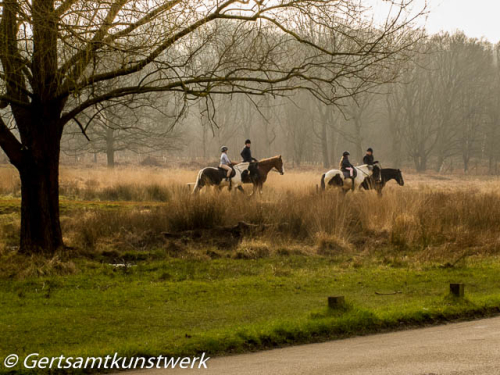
(211, 176)
(335, 177)
(264, 166)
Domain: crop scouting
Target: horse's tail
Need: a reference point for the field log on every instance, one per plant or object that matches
(323, 186)
(199, 182)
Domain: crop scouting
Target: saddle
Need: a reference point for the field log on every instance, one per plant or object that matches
(251, 174)
(223, 172)
(347, 175)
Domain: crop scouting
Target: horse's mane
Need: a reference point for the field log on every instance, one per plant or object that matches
(268, 160)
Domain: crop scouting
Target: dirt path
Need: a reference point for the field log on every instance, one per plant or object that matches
(461, 348)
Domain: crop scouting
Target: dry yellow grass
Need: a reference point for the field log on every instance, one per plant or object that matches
(291, 180)
(434, 216)
(301, 180)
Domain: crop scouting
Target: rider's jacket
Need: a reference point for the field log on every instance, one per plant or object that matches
(368, 159)
(345, 163)
(224, 159)
(246, 155)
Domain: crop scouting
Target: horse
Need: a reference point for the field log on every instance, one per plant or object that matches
(335, 177)
(264, 166)
(211, 176)
(386, 174)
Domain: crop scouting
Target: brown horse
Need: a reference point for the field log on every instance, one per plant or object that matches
(264, 166)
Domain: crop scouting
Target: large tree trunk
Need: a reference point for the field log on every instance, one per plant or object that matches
(39, 172)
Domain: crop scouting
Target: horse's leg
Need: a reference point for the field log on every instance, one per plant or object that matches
(379, 188)
(254, 189)
(240, 188)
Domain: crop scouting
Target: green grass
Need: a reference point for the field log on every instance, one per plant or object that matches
(183, 307)
(184, 297)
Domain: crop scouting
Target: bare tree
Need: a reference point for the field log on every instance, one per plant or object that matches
(55, 53)
(140, 126)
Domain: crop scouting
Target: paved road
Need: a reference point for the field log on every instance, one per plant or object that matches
(461, 348)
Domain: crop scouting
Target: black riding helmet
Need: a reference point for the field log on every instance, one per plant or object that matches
(369, 149)
(346, 153)
(223, 148)
(248, 141)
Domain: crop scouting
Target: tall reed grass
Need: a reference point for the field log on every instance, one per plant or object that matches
(403, 220)
(437, 217)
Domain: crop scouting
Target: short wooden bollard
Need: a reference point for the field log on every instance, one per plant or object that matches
(336, 302)
(457, 290)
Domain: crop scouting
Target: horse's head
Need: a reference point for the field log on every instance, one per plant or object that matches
(399, 178)
(280, 166)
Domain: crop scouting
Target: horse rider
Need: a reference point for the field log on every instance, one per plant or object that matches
(368, 158)
(225, 163)
(246, 153)
(347, 168)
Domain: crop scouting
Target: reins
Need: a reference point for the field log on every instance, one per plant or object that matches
(362, 171)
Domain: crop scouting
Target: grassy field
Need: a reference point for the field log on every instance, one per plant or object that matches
(122, 286)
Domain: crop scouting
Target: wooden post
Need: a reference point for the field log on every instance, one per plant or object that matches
(457, 290)
(336, 302)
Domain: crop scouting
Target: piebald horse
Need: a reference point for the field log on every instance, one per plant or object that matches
(335, 177)
(264, 166)
(211, 176)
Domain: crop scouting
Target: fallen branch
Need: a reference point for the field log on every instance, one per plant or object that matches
(451, 265)
(235, 231)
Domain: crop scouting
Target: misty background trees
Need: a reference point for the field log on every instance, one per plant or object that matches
(442, 114)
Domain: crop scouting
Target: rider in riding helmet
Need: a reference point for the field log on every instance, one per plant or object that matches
(370, 161)
(346, 166)
(225, 163)
(368, 158)
(246, 153)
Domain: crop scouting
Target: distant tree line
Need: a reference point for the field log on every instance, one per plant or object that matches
(442, 114)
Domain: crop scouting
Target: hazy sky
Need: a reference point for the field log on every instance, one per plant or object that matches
(477, 18)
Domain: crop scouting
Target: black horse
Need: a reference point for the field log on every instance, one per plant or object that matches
(386, 174)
